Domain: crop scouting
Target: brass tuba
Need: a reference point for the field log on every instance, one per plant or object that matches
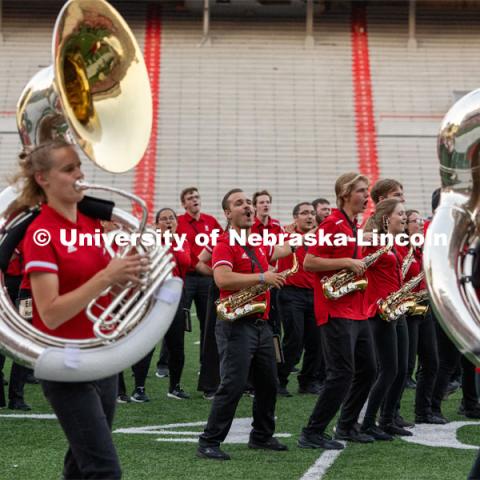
(345, 281)
(96, 95)
(449, 267)
(241, 304)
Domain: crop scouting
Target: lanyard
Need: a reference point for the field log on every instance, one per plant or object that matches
(253, 258)
(353, 226)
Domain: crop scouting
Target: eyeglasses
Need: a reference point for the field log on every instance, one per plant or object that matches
(166, 219)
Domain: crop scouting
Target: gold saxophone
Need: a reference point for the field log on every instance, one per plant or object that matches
(345, 281)
(240, 304)
(404, 301)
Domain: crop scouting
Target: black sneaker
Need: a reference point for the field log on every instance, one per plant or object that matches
(399, 421)
(430, 418)
(178, 393)
(451, 388)
(31, 380)
(411, 383)
(123, 398)
(271, 444)
(377, 433)
(19, 405)
(393, 429)
(283, 392)
(249, 392)
(139, 395)
(312, 388)
(162, 371)
(208, 395)
(473, 413)
(212, 453)
(352, 435)
(318, 440)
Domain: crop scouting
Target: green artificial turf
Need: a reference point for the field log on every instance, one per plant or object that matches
(34, 449)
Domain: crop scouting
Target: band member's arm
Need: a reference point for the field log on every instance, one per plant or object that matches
(55, 309)
(228, 280)
(202, 266)
(321, 264)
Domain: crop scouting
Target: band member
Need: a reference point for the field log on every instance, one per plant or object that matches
(192, 223)
(322, 209)
(295, 302)
(422, 337)
(391, 338)
(387, 188)
(18, 373)
(63, 282)
(262, 203)
(166, 220)
(245, 344)
(346, 337)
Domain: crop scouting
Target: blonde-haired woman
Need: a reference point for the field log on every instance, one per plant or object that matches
(63, 280)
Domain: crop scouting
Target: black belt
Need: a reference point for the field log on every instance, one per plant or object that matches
(257, 320)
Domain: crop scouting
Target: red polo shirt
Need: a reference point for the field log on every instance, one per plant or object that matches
(384, 276)
(272, 226)
(191, 227)
(350, 306)
(73, 265)
(235, 257)
(301, 279)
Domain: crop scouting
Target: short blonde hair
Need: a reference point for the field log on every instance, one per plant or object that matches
(345, 184)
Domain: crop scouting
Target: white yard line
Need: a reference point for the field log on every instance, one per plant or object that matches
(322, 464)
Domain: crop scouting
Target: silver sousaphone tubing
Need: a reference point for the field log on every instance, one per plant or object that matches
(449, 268)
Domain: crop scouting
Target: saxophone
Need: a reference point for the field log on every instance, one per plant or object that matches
(404, 301)
(345, 281)
(407, 261)
(241, 304)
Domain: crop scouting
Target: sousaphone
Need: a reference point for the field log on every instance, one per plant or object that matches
(96, 94)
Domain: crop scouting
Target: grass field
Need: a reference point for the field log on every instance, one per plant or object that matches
(34, 448)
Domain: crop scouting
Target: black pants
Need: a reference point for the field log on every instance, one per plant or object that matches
(243, 344)
(175, 342)
(350, 365)
(18, 373)
(424, 334)
(196, 290)
(209, 378)
(299, 330)
(449, 357)
(85, 411)
(391, 347)
(475, 471)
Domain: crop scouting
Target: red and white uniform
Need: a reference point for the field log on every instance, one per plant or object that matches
(191, 227)
(235, 257)
(301, 279)
(384, 276)
(350, 306)
(73, 265)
